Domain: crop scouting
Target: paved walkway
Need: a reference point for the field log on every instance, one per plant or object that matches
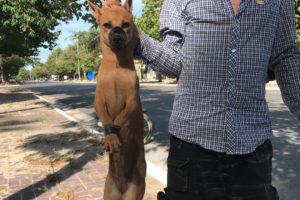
(45, 156)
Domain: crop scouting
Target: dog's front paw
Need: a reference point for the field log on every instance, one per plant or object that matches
(112, 143)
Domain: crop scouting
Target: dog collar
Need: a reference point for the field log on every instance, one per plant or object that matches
(111, 129)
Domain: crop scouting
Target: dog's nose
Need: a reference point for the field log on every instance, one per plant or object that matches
(117, 37)
(117, 34)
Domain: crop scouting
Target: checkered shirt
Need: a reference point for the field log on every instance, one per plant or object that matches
(221, 60)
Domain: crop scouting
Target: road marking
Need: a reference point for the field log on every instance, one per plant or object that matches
(72, 119)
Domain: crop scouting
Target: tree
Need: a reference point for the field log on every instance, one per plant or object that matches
(23, 74)
(27, 25)
(52, 61)
(67, 62)
(62, 62)
(80, 57)
(149, 20)
(88, 49)
(39, 71)
(11, 65)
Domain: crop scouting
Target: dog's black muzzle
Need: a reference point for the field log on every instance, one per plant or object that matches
(117, 38)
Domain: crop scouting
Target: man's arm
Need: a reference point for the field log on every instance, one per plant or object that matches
(285, 60)
(165, 56)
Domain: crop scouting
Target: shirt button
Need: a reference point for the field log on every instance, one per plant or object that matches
(233, 50)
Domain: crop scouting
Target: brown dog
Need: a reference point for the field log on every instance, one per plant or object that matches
(117, 102)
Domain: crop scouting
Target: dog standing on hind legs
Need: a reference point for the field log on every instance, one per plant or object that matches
(117, 101)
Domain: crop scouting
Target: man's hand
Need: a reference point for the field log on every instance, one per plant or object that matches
(112, 143)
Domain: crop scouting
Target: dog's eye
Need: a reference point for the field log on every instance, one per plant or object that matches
(126, 25)
(107, 25)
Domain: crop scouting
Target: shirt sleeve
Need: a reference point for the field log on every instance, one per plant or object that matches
(285, 60)
(165, 56)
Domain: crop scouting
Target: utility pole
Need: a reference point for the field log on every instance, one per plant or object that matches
(78, 63)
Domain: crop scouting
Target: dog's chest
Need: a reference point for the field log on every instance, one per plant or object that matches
(117, 86)
(118, 80)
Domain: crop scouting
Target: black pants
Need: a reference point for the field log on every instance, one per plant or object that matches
(195, 173)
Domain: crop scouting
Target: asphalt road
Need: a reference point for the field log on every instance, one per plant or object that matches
(158, 100)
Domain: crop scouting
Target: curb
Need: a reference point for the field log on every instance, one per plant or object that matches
(70, 118)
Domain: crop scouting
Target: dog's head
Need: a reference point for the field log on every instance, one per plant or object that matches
(115, 21)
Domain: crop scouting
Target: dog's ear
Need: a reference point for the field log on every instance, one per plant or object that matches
(128, 5)
(95, 10)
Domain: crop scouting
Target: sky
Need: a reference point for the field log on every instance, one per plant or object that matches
(67, 29)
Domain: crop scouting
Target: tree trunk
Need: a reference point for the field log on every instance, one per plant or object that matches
(84, 75)
(1, 71)
(1, 77)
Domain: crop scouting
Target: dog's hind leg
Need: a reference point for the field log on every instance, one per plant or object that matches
(134, 192)
(110, 190)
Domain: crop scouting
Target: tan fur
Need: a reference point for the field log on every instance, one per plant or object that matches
(117, 102)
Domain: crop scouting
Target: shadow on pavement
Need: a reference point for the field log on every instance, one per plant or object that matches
(286, 145)
(159, 106)
(70, 94)
(77, 149)
(15, 97)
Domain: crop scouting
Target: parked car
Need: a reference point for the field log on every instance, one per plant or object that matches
(12, 79)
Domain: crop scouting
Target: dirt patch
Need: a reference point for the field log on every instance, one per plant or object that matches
(42, 161)
(3, 190)
(11, 90)
(53, 151)
(5, 91)
(68, 195)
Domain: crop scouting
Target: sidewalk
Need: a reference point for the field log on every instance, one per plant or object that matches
(45, 156)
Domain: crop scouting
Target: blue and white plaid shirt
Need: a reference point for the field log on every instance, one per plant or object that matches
(221, 60)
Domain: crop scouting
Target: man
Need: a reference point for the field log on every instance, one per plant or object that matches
(220, 128)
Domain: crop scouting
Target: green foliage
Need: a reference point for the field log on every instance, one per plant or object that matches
(52, 61)
(29, 24)
(62, 62)
(12, 64)
(88, 48)
(297, 10)
(26, 25)
(88, 39)
(83, 54)
(67, 61)
(39, 71)
(23, 74)
(148, 22)
(88, 61)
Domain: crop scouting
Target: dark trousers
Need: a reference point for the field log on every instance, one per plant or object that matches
(195, 173)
